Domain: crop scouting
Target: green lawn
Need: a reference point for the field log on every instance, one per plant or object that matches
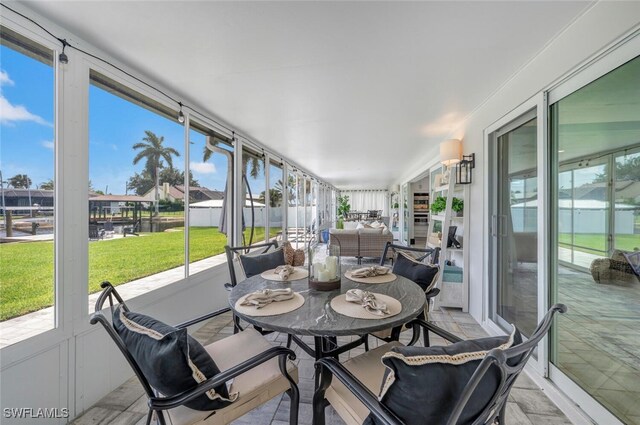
(26, 269)
(595, 243)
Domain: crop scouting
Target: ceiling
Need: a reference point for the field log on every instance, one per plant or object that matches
(355, 92)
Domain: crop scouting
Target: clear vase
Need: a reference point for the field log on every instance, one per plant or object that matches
(324, 267)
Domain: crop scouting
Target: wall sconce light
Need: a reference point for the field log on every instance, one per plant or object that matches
(465, 166)
(450, 152)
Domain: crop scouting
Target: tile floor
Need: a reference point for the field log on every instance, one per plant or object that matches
(528, 405)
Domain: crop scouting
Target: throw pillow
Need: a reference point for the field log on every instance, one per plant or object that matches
(288, 252)
(256, 264)
(360, 226)
(298, 258)
(376, 224)
(422, 385)
(349, 225)
(418, 272)
(170, 359)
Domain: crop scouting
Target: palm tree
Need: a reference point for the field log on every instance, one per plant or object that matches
(20, 181)
(255, 161)
(152, 150)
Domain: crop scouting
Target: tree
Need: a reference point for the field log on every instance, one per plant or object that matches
(176, 178)
(20, 181)
(141, 183)
(246, 159)
(275, 198)
(291, 191)
(48, 185)
(627, 169)
(153, 152)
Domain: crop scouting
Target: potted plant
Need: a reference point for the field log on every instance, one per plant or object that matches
(343, 209)
(457, 205)
(440, 204)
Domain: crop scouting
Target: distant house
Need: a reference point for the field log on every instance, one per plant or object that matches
(176, 193)
(28, 198)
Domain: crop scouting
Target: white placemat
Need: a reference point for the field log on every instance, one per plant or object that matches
(342, 306)
(272, 309)
(383, 278)
(298, 273)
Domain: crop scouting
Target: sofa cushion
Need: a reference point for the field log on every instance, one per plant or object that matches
(366, 231)
(420, 273)
(170, 359)
(422, 384)
(343, 232)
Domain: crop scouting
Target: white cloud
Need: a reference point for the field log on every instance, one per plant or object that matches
(202, 167)
(5, 80)
(10, 114)
(48, 144)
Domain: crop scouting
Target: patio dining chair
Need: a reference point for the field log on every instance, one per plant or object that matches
(467, 382)
(248, 261)
(186, 383)
(418, 265)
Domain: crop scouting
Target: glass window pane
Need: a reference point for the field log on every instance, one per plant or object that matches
(596, 181)
(516, 240)
(254, 187)
(27, 159)
(276, 192)
(136, 191)
(210, 171)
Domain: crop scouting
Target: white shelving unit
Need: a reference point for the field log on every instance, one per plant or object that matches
(454, 292)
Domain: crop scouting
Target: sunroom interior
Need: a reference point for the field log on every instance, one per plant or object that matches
(140, 138)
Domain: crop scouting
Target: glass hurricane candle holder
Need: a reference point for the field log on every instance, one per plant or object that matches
(324, 267)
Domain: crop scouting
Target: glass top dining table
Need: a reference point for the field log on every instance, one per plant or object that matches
(317, 318)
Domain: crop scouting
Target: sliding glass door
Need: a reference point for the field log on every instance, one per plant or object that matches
(514, 227)
(595, 211)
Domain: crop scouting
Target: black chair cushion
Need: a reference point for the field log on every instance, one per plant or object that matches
(422, 385)
(256, 264)
(418, 272)
(170, 359)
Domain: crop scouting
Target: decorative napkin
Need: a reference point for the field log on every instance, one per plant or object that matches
(370, 271)
(368, 301)
(284, 271)
(264, 297)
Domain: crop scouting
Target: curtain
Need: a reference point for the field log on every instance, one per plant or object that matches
(365, 200)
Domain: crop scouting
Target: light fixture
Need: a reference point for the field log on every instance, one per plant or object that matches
(465, 166)
(180, 114)
(63, 58)
(450, 152)
(395, 188)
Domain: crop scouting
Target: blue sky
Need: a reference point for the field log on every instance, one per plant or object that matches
(115, 125)
(26, 117)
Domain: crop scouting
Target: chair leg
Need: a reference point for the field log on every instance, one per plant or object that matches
(149, 416)
(501, 415)
(425, 337)
(294, 397)
(289, 340)
(366, 343)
